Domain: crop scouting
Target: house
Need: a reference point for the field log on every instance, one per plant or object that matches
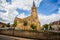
(55, 25)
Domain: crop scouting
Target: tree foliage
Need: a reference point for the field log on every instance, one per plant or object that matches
(25, 23)
(8, 25)
(45, 26)
(33, 26)
(3, 26)
(14, 24)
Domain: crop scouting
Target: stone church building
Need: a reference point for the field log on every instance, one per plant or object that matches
(25, 23)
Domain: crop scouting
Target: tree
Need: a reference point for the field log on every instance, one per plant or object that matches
(3, 26)
(33, 26)
(8, 25)
(45, 26)
(14, 25)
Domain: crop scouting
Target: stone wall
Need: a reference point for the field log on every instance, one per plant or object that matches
(31, 34)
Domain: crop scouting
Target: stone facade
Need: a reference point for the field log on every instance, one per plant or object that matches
(55, 25)
(32, 19)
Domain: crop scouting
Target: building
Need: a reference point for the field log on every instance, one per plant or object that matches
(1, 23)
(55, 25)
(32, 19)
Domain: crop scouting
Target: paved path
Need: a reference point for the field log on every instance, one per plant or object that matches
(3, 37)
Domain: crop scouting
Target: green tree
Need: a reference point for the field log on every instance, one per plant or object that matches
(33, 26)
(45, 26)
(14, 25)
(3, 26)
(8, 25)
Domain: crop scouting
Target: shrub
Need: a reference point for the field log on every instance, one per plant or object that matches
(33, 26)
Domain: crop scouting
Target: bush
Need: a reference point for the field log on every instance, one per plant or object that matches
(33, 26)
(45, 26)
(3, 26)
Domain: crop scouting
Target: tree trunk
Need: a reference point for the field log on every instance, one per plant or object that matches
(13, 30)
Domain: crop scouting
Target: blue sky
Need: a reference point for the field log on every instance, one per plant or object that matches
(21, 11)
(46, 9)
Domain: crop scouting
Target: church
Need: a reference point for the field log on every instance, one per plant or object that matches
(25, 23)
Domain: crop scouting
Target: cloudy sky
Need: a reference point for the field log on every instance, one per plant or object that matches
(48, 10)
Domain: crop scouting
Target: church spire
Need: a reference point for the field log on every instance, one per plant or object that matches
(33, 3)
(34, 10)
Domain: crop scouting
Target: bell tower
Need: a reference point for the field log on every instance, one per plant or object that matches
(34, 17)
(34, 10)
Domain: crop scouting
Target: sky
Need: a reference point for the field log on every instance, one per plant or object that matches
(48, 10)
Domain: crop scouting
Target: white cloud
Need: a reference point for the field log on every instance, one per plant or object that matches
(22, 15)
(48, 19)
(45, 19)
(8, 17)
(11, 9)
(59, 10)
(25, 4)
